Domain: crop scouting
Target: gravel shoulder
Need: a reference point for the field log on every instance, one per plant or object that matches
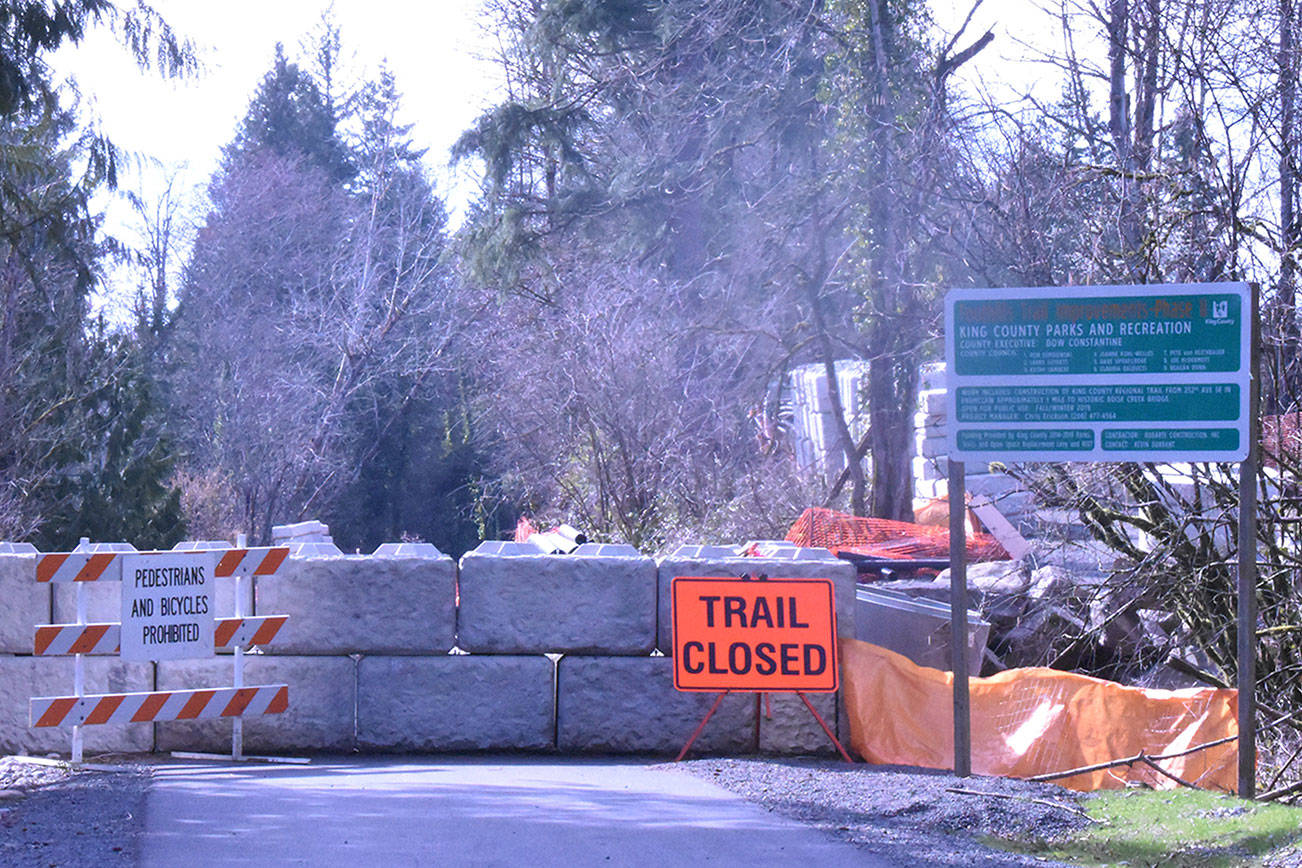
(51, 815)
(907, 816)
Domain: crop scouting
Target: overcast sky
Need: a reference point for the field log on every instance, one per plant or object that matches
(437, 50)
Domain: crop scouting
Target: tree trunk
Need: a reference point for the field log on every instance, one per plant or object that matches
(892, 389)
(1120, 129)
(1289, 344)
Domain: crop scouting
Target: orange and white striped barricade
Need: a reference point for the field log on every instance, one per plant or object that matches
(167, 613)
(228, 634)
(159, 705)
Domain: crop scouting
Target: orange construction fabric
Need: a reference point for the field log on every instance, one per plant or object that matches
(884, 538)
(1028, 722)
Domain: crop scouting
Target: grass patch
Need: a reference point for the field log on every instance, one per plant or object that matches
(1179, 828)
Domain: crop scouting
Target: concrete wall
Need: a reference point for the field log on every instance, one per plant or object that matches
(537, 603)
(456, 702)
(22, 678)
(321, 714)
(26, 603)
(629, 705)
(362, 605)
(544, 653)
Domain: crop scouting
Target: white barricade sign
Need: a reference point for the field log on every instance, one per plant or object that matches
(168, 606)
(168, 613)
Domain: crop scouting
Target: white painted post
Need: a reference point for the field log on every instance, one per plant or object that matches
(237, 723)
(79, 668)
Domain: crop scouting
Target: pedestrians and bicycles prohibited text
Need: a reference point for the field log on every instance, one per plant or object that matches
(775, 635)
(167, 606)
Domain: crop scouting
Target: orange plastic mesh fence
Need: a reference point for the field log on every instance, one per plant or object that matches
(1028, 722)
(882, 537)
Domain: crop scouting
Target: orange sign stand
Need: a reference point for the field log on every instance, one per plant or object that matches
(754, 636)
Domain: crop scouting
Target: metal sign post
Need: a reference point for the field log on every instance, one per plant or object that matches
(958, 619)
(1247, 583)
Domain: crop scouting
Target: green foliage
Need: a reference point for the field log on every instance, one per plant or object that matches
(30, 31)
(119, 487)
(412, 483)
(652, 208)
(307, 363)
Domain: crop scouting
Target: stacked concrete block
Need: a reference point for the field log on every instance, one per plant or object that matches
(719, 562)
(629, 705)
(814, 428)
(407, 550)
(456, 702)
(26, 603)
(931, 464)
(22, 678)
(532, 603)
(359, 604)
(787, 727)
(321, 714)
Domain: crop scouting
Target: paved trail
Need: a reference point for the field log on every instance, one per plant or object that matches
(472, 812)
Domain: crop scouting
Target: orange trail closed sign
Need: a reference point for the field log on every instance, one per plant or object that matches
(774, 635)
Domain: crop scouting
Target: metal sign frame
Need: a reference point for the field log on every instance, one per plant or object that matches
(1246, 454)
(779, 623)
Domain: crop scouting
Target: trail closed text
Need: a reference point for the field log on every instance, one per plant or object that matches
(771, 636)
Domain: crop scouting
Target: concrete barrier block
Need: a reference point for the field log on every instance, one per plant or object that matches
(531, 604)
(933, 447)
(629, 705)
(22, 678)
(362, 604)
(103, 601)
(933, 400)
(929, 469)
(456, 703)
(26, 603)
(787, 727)
(842, 574)
(321, 714)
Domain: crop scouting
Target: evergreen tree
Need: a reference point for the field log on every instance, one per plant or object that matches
(654, 192)
(291, 117)
(119, 487)
(417, 468)
(316, 306)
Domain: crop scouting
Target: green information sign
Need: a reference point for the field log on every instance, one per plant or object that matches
(1099, 373)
